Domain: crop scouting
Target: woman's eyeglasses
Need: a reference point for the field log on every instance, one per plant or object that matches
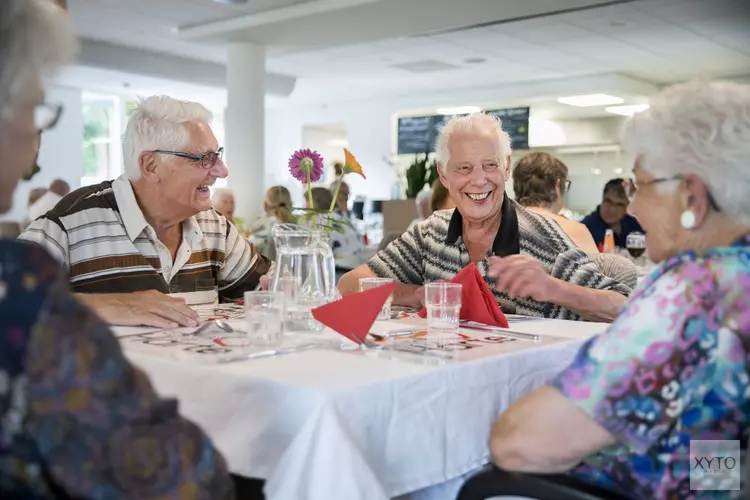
(206, 160)
(46, 116)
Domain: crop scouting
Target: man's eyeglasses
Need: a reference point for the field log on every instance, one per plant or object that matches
(46, 116)
(567, 186)
(206, 160)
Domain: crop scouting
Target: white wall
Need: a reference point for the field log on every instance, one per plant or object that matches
(61, 153)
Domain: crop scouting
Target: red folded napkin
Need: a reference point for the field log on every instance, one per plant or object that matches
(353, 316)
(477, 302)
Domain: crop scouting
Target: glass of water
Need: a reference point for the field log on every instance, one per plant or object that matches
(264, 314)
(369, 284)
(443, 303)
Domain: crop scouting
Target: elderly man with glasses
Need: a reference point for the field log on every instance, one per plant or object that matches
(152, 232)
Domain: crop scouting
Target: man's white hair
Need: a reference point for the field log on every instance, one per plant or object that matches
(220, 191)
(158, 122)
(36, 39)
(700, 128)
(474, 123)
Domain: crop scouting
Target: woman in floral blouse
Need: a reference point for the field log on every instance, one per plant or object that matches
(76, 419)
(673, 367)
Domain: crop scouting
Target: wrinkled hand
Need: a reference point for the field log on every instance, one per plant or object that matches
(149, 308)
(522, 276)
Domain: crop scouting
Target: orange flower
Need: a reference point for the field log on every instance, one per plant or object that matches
(351, 164)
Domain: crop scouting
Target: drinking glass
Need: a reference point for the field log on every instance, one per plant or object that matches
(443, 302)
(264, 314)
(636, 245)
(369, 284)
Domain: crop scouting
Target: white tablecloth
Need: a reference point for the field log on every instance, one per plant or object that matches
(326, 424)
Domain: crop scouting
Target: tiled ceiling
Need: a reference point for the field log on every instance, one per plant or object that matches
(659, 41)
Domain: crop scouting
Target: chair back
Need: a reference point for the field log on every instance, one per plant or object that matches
(617, 267)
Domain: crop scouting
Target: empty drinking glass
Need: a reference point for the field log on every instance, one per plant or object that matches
(264, 314)
(443, 303)
(369, 284)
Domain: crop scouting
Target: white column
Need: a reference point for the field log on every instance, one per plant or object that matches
(244, 127)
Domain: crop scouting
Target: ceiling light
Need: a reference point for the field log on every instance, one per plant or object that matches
(232, 2)
(626, 110)
(596, 171)
(583, 101)
(617, 171)
(459, 110)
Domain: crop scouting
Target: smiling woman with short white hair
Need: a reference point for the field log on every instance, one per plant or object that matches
(673, 367)
(543, 273)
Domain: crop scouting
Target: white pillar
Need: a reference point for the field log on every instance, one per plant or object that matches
(244, 127)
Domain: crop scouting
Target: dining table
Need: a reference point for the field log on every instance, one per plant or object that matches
(321, 418)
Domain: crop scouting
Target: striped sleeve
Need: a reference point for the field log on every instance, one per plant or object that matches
(402, 260)
(574, 266)
(243, 266)
(50, 234)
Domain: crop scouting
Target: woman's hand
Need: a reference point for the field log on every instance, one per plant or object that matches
(522, 276)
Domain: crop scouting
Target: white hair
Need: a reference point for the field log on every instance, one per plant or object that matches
(158, 122)
(474, 123)
(220, 191)
(700, 128)
(36, 39)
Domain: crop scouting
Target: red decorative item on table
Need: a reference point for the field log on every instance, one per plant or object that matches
(353, 316)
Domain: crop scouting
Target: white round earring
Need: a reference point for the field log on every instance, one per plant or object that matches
(687, 219)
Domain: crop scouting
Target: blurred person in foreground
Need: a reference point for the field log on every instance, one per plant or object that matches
(539, 183)
(77, 420)
(528, 261)
(130, 242)
(612, 214)
(673, 367)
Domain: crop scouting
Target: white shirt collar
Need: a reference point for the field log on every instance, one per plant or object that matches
(133, 219)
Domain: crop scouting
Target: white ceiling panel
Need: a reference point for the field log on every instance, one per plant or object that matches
(658, 41)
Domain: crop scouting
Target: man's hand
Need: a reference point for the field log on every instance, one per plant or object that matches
(149, 308)
(522, 276)
(409, 296)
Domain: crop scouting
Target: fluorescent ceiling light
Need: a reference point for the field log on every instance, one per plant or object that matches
(584, 101)
(459, 110)
(626, 110)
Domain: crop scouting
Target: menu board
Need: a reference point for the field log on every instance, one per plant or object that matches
(418, 134)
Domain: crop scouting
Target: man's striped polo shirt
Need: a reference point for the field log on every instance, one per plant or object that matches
(101, 235)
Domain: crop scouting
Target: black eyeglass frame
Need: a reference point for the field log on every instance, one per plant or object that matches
(56, 113)
(201, 157)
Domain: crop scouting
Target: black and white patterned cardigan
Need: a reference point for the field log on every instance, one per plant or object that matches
(434, 250)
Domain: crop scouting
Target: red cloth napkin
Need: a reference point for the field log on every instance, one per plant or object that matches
(477, 302)
(353, 316)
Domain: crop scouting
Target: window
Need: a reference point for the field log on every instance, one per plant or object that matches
(104, 120)
(102, 128)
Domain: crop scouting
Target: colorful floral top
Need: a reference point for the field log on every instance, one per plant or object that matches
(76, 419)
(672, 368)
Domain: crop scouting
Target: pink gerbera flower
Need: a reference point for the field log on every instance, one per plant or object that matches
(306, 162)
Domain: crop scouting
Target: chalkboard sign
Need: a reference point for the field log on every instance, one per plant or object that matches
(516, 124)
(418, 134)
